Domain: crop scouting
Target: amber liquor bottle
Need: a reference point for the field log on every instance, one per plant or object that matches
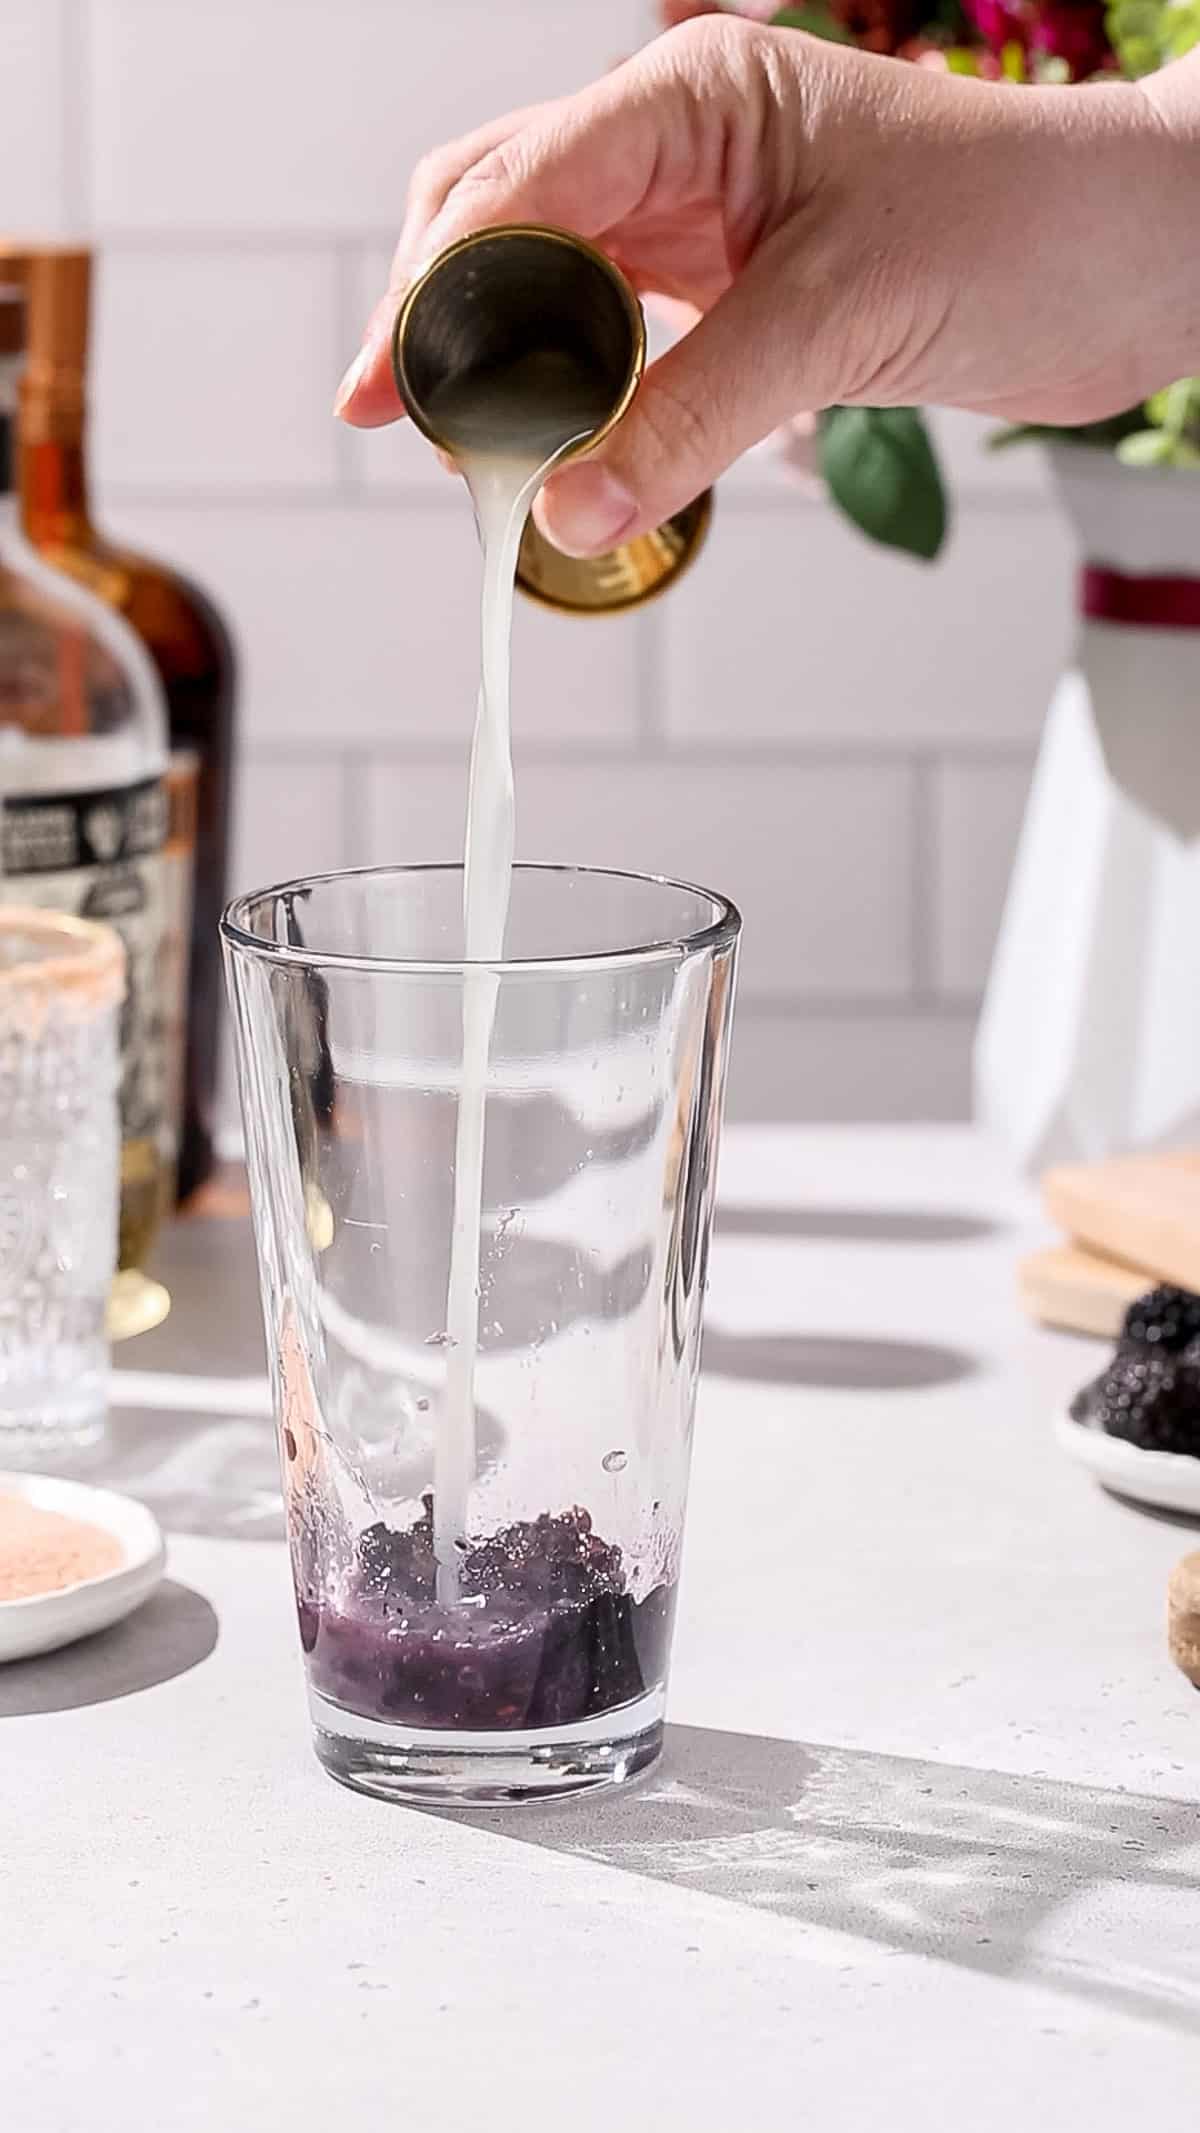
(84, 815)
(180, 627)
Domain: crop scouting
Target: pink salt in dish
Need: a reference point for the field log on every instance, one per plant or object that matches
(73, 1560)
(44, 1551)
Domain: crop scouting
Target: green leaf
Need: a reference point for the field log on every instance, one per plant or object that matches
(1145, 34)
(960, 59)
(1146, 448)
(880, 467)
(1156, 408)
(816, 20)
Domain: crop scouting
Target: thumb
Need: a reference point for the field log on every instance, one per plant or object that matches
(739, 373)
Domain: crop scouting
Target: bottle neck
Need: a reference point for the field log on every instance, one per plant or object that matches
(52, 473)
(9, 506)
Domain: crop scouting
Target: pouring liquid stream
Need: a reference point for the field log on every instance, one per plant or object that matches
(507, 432)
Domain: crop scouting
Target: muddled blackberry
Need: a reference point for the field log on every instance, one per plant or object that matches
(1166, 1320)
(1149, 1399)
(546, 1632)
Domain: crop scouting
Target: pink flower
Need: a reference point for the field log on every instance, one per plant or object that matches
(1072, 31)
(1000, 22)
(1076, 34)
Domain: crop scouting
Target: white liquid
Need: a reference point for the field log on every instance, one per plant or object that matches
(507, 438)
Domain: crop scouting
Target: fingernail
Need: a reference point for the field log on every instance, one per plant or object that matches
(588, 509)
(353, 378)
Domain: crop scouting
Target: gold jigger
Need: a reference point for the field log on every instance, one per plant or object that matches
(523, 290)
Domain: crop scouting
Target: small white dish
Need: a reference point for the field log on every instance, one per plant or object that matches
(51, 1619)
(1170, 1481)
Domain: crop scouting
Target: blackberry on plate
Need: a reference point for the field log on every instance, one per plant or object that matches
(1165, 1320)
(1149, 1399)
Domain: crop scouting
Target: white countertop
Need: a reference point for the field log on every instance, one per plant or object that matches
(923, 1851)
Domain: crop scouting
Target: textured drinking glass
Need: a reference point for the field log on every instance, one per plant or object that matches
(61, 984)
(535, 1662)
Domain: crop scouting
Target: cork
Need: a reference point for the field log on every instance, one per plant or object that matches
(1183, 1617)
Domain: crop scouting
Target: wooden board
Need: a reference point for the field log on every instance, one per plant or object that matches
(1143, 1210)
(1078, 1290)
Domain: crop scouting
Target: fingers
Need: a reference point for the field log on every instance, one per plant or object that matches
(436, 176)
(367, 395)
(723, 387)
(583, 164)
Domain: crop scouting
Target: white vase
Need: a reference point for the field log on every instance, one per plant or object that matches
(1090, 1034)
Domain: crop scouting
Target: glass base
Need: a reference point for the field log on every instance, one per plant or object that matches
(135, 1304)
(446, 1769)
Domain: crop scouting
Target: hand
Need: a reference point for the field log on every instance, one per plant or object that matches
(848, 230)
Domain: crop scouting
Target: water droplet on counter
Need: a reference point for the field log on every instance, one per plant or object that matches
(614, 1462)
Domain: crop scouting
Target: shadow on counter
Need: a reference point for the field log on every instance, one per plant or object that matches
(833, 1362)
(174, 1631)
(1014, 1876)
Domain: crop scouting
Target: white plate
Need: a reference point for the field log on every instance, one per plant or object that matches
(51, 1619)
(1168, 1480)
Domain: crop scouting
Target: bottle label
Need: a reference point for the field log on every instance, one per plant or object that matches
(100, 855)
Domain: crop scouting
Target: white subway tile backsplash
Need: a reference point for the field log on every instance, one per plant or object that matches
(289, 819)
(973, 468)
(977, 815)
(816, 857)
(793, 628)
(850, 1068)
(309, 114)
(216, 369)
(33, 145)
(361, 625)
(247, 163)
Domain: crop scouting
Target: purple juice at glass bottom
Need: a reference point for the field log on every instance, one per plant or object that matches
(546, 1632)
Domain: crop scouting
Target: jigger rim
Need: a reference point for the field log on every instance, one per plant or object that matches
(554, 235)
(721, 931)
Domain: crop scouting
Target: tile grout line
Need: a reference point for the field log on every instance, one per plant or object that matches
(738, 504)
(854, 1007)
(415, 752)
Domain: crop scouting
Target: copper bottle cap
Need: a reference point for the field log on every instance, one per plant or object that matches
(524, 289)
